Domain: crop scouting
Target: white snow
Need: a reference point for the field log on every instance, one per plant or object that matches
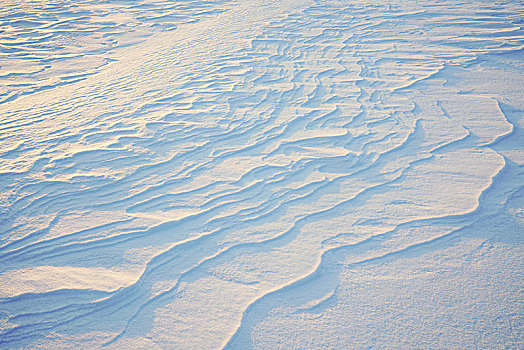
(261, 174)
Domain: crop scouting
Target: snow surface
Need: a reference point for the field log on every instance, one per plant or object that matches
(261, 174)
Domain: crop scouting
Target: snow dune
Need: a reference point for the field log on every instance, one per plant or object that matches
(251, 174)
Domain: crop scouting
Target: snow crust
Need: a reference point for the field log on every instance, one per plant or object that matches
(270, 175)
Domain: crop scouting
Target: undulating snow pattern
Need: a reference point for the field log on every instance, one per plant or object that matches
(261, 174)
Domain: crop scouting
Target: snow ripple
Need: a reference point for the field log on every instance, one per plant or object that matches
(237, 159)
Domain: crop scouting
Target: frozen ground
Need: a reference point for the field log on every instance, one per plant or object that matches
(261, 174)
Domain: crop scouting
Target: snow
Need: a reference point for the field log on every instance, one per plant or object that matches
(272, 175)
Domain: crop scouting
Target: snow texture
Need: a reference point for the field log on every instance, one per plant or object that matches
(249, 174)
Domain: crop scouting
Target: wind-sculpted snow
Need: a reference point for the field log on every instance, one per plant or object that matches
(43, 43)
(297, 174)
